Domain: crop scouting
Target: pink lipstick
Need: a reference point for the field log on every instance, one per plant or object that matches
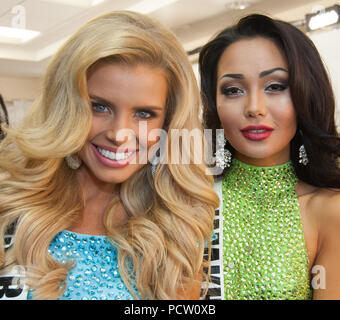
(257, 133)
(113, 157)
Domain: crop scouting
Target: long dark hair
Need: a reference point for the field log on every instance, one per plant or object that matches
(310, 89)
(3, 116)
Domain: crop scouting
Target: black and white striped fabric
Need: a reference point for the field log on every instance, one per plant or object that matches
(216, 285)
(12, 285)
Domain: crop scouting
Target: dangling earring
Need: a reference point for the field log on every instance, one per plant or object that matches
(303, 158)
(223, 157)
(73, 161)
(303, 155)
(153, 169)
(154, 163)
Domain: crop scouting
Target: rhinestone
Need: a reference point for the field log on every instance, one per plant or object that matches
(263, 234)
(95, 274)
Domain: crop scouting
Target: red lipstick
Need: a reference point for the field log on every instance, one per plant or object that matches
(257, 133)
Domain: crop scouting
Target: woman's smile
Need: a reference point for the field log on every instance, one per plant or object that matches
(124, 99)
(114, 159)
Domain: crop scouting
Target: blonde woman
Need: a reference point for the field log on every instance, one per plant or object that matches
(3, 116)
(90, 219)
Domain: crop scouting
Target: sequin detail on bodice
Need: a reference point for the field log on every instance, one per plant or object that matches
(95, 274)
(264, 252)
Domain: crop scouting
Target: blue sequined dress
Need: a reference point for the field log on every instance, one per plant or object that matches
(95, 274)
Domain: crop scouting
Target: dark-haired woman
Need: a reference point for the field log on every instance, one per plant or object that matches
(264, 83)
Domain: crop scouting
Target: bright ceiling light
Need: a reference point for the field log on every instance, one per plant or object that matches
(95, 2)
(16, 35)
(237, 5)
(323, 18)
(148, 6)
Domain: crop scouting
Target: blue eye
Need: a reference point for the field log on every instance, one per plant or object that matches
(98, 107)
(145, 114)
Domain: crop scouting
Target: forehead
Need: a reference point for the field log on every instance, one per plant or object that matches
(251, 55)
(133, 85)
(139, 75)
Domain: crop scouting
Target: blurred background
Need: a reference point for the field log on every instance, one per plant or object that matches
(32, 30)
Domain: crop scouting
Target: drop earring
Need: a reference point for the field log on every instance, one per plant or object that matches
(154, 163)
(153, 169)
(223, 157)
(303, 158)
(73, 161)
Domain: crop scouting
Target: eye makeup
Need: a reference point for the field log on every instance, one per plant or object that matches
(231, 91)
(145, 113)
(276, 87)
(235, 85)
(99, 107)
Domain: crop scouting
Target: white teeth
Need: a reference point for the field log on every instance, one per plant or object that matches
(114, 155)
(257, 131)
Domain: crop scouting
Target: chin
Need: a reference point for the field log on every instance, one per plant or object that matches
(114, 179)
(117, 177)
(267, 156)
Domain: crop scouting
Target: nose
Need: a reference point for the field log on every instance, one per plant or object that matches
(255, 105)
(120, 130)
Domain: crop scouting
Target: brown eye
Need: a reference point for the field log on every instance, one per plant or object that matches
(232, 91)
(276, 87)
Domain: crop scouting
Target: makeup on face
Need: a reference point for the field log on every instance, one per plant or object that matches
(113, 157)
(120, 157)
(253, 101)
(257, 133)
(122, 98)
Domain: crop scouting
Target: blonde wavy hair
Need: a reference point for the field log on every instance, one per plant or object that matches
(170, 214)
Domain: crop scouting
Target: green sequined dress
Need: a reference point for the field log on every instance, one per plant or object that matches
(264, 252)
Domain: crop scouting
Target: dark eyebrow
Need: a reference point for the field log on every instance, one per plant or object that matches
(111, 105)
(233, 75)
(261, 75)
(267, 72)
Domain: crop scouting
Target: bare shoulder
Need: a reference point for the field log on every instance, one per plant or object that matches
(321, 207)
(327, 203)
(324, 206)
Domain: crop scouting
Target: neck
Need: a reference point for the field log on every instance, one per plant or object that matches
(92, 188)
(261, 165)
(274, 160)
(96, 196)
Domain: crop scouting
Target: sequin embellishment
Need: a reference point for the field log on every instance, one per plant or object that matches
(264, 253)
(95, 275)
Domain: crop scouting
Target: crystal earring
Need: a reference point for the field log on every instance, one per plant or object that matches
(154, 162)
(73, 161)
(303, 155)
(223, 157)
(153, 169)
